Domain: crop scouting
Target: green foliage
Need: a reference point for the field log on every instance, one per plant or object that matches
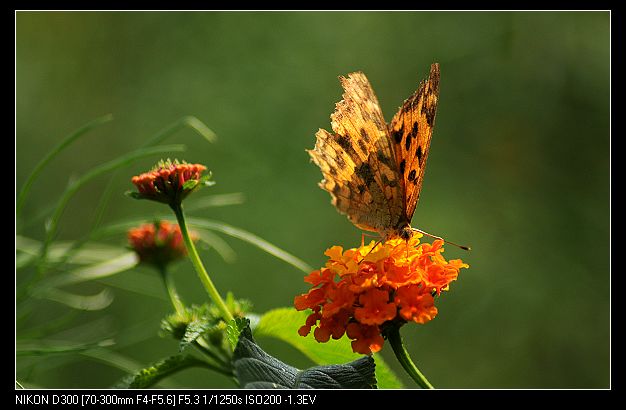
(254, 368)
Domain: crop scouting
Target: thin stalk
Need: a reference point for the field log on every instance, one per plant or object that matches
(171, 291)
(393, 335)
(210, 353)
(197, 264)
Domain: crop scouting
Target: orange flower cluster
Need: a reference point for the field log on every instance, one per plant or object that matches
(362, 290)
(157, 243)
(166, 181)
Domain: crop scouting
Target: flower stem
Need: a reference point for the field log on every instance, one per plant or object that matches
(197, 264)
(171, 291)
(393, 335)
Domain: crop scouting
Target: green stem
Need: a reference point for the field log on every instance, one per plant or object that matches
(197, 264)
(393, 335)
(171, 291)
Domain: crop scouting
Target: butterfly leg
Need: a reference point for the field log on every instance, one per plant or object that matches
(363, 235)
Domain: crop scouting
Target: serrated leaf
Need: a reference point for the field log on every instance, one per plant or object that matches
(149, 376)
(193, 331)
(283, 324)
(254, 368)
(235, 328)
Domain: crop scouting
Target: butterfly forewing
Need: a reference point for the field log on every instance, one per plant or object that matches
(358, 162)
(411, 130)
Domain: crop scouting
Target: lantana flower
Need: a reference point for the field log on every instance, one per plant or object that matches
(157, 243)
(170, 182)
(362, 291)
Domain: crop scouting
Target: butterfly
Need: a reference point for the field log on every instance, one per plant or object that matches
(373, 170)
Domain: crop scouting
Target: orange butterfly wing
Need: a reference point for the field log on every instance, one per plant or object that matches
(358, 160)
(411, 130)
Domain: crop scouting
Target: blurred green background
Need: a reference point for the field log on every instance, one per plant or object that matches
(518, 169)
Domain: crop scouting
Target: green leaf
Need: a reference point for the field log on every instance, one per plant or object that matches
(234, 330)
(254, 368)
(283, 324)
(149, 376)
(193, 331)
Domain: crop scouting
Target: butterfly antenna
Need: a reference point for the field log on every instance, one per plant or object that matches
(370, 251)
(466, 248)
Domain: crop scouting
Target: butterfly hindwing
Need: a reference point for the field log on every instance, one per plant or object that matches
(411, 130)
(358, 161)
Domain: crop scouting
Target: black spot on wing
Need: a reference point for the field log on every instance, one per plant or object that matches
(397, 136)
(360, 188)
(402, 166)
(407, 142)
(364, 171)
(412, 175)
(414, 130)
(344, 142)
(387, 182)
(419, 154)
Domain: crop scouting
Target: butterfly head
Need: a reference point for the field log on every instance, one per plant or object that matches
(405, 232)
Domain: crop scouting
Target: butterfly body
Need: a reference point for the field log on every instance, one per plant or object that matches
(374, 170)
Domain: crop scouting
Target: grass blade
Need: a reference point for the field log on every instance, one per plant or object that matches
(251, 239)
(235, 198)
(98, 301)
(98, 271)
(219, 245)
(113, 359)
(187, 121)
(53, 153)
(39, 348)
